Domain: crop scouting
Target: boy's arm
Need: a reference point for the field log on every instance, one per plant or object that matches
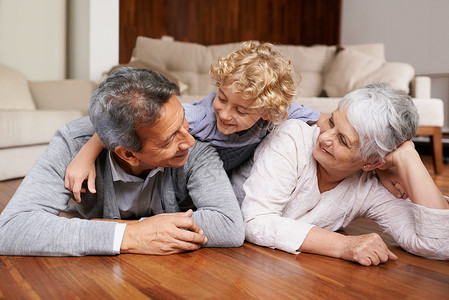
(323, 118)
(306, 114)
(83, 167)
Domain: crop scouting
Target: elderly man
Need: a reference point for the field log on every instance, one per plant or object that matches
(151, 167)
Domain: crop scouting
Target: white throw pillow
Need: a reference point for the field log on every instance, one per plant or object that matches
(14, 91)
(352, 69)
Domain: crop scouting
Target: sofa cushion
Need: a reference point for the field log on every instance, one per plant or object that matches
(14, 90)
(23, 128)
(313, 62)
(352, 69)
(143, 65)
(310, 63)
(67, 94)
(17, 162)
(189, 62)
(376, 50)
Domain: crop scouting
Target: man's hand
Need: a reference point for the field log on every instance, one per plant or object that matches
(367, 250)
(163, 234)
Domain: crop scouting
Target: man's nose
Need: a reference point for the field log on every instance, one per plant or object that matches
(188, 140)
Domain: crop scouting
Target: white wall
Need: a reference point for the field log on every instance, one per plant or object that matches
(413, 31)
(33, 37)
(93, 38)
(78, 39)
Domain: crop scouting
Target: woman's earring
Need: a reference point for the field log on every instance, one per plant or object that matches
(364, 167)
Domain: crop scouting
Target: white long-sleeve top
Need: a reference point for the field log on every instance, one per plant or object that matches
(283, 202)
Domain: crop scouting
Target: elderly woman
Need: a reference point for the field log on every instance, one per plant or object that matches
(305, 184)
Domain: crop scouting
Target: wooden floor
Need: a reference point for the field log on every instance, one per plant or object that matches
(248, 272)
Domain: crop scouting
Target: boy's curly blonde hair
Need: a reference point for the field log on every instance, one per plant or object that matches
(258, 72)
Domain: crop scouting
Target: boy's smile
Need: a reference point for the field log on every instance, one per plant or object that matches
(233, 112)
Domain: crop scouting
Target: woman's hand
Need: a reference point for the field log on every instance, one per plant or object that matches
(388, 173)
(404, 151)
(392, 182)
(414, 177)
(368, 249)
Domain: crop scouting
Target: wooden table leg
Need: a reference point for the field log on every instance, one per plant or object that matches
(436, 138)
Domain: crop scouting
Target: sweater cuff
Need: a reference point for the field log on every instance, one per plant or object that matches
(118, 236)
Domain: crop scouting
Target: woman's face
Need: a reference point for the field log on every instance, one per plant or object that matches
(234, 113)
(337, 145)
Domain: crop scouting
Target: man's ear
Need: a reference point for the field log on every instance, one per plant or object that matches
(372, 166)
(265, 117)
(126, 155)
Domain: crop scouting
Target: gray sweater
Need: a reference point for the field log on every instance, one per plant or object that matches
(30, 224)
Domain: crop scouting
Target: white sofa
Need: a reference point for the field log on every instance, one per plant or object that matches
(30, 113)
(326, 75)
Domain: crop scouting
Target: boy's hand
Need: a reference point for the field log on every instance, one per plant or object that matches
(323, 118)
(75, 174)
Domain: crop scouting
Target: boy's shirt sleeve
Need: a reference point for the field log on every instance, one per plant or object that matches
(201, 118)
(303, 112)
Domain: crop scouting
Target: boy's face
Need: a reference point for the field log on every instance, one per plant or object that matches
(233, 112)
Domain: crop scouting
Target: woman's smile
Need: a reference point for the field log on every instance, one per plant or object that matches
(323, 150)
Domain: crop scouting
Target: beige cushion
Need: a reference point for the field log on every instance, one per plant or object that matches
(24, 128)
(143, 65)
(314, 61)
(189, 62)
(67, 94)
(376, 50)
(17, 162)
(309, 63)
(14, 91)
(352, 69)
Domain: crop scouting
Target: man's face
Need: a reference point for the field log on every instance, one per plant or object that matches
(165, 143)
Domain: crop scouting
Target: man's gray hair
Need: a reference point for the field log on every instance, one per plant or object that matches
(383, 117)
(127, 99)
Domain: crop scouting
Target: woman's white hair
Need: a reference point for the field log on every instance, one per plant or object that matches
(383, 117)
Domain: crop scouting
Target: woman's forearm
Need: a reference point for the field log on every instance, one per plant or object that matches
(323, 242)
(367, 249)
(417, 180)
